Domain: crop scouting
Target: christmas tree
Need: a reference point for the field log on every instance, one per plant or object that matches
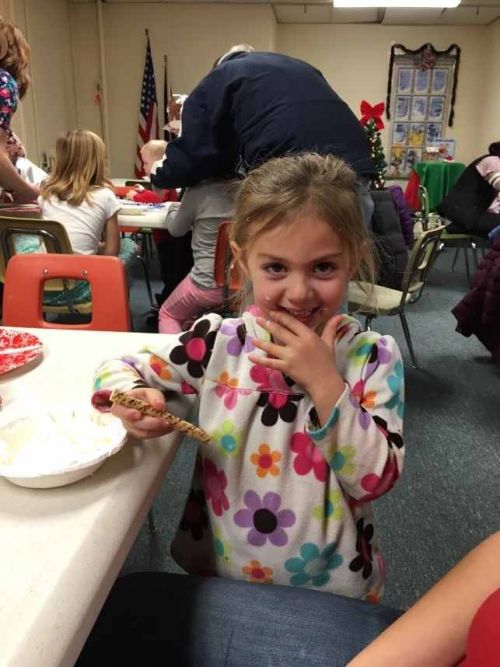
(372, 124)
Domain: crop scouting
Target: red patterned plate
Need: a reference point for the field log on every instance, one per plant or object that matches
(17, 348)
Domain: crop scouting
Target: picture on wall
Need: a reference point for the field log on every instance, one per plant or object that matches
(420, 102)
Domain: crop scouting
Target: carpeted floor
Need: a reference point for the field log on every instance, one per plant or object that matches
(448, 498)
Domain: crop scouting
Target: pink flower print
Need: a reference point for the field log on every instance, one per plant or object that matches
(187, 388)
(255, 311)
(4, 92)
(344, 327)
(377, 485)
(214, 484)
(308, 457)
(275, 395)
(264, 518)
(239, 339)
(228, 389)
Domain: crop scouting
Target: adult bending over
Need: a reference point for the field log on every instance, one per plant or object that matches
(253, 106)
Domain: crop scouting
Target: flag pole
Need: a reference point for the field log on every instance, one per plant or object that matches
(167, 93)
(104, 85)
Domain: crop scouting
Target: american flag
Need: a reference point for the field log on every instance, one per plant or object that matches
(148, 113)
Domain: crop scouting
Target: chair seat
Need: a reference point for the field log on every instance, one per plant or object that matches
(383, 300)
(446, 236)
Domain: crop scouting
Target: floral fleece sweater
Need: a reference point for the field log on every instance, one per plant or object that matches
(275, 498)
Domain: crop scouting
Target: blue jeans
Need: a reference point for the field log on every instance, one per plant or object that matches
(161, 619)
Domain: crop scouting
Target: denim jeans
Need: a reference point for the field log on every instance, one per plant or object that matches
(162, 619)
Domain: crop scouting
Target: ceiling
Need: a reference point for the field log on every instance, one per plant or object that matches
(469, 12)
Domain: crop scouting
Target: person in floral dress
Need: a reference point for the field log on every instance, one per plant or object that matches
(303, 407)
(14, 81)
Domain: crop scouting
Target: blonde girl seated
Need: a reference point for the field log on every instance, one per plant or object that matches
(78, 194)
(303, 407)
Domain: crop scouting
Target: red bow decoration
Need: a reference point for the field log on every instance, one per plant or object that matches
(368, 113)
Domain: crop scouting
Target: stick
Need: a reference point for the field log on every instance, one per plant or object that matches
(128, 401)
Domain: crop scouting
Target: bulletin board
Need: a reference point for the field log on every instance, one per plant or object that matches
(420, 102)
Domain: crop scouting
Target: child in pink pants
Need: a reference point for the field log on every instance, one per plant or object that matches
(203, 208)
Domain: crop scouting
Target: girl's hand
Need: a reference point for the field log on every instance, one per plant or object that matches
(298, 351)
(130, 195)
(137, 424)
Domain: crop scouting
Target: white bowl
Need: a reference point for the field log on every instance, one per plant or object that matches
(58, 446)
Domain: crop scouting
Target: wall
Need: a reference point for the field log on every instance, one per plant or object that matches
(490, 128)
(354, 59)
(191, 35)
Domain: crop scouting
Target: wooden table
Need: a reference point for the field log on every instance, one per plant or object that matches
(61, 549)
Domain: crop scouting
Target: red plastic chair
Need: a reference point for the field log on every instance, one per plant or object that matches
(25, 277)
(226, 273)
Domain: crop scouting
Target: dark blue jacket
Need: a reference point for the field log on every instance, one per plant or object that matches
(255, 106)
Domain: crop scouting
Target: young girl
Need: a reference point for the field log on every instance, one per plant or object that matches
(203, 208)
(304, 409)
(78, 194)
(174, 252)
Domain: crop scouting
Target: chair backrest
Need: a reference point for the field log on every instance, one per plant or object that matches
(226, 274)
(20, 211)
(24, 285)
(419, 263)
(51, 235)
(424, 206)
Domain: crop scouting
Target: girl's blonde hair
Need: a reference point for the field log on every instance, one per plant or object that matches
(14, 54)
(281, 189)
(80, 167)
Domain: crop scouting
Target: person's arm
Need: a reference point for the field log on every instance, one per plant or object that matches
(206, 146)
(111, 237)
(356, 421)
(362, 438)
(434, 631)
(169, 368)
(494, 180)
(489, 168)
(10, 179)
(182, 215)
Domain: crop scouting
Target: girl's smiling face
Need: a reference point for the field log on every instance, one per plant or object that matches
(300, 267)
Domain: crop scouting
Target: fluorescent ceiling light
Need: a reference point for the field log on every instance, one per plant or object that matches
(432, 4)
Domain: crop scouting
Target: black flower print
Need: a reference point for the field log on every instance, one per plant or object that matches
(195, 517)
(195, 349)
(275, 395)
(393, 439)
(364, 548)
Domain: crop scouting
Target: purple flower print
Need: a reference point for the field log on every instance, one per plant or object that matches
(379, 354)
(239, 340)
(264, 519)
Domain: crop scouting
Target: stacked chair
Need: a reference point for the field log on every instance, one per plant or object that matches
(372, 300)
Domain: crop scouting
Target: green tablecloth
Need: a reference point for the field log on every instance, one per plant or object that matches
(438, 178)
